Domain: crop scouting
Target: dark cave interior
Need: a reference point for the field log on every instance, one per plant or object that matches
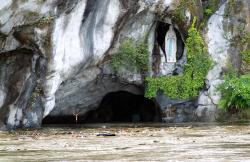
(115, 107)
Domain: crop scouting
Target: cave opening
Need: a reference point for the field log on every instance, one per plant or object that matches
(123, 106)
(116, 107)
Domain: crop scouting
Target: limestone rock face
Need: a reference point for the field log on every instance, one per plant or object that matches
(224, 27)
(218, 49)
(55, 55)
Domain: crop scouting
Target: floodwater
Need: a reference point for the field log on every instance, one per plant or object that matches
(133, 142)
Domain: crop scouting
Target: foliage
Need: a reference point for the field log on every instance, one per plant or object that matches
(210, 7)
(242, 41)
(240, 117)
(195, 71)
(230, 8)
(179, 13)
(235, 92)
(132, 55)
(246, 56)
(37, 92)
(243, 35)
(208, 12)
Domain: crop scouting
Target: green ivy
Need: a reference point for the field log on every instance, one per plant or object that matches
(195, 71)
(132, 55)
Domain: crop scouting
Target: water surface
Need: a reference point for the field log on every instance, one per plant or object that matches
(133, 142)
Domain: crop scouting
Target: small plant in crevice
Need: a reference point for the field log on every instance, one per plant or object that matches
(241, 41)
(245, 56)
(245, 53)
(210, 7)
(230, 8)
(131, 55)
(179, 14)
(37, 92)
(188, 85)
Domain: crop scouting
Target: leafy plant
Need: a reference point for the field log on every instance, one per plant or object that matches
(195, 71)
(235, 92)
(210, 7)
(132, 55)
(208, 12)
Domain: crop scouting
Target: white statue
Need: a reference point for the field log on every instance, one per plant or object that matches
(171, 45)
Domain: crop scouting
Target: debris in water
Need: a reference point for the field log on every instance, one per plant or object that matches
(105, 134)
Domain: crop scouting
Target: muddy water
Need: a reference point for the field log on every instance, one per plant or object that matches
(132, 143)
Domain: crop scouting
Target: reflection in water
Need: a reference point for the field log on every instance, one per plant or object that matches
(143, 142)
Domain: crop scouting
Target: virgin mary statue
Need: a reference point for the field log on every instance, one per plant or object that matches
(171, 45)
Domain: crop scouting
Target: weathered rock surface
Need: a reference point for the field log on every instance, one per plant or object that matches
(218, 50)
(224, 27)
(55, 55)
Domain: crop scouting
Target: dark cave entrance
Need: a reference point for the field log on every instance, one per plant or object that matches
(116, 107)
(123, 106)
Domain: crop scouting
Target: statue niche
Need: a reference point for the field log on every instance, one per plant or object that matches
(171, 45)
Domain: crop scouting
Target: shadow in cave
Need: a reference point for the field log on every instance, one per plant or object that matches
(123, 106)
(116, 107)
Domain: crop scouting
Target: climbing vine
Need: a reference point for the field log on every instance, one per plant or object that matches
(132, 55)
(195, 71)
